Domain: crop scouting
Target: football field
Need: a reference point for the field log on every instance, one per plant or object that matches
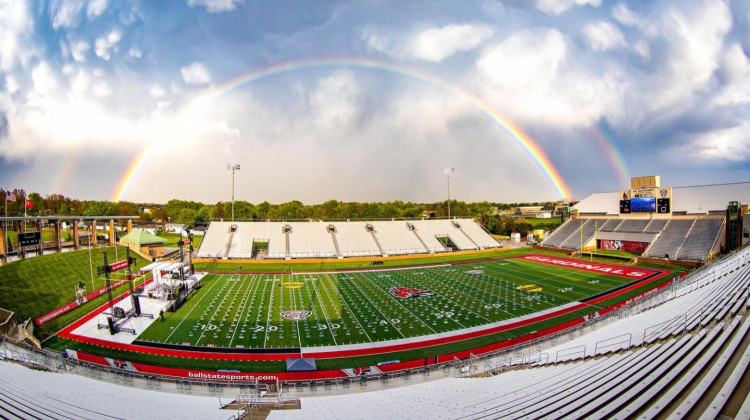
(301, 310)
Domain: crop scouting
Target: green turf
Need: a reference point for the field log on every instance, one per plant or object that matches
(38, 285)
(173, 238)
(350, 308)
(349, 264)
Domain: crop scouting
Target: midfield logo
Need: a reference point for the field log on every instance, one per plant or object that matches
(296, 315)
(405, 293)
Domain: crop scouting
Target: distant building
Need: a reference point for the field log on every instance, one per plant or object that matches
(144, 243)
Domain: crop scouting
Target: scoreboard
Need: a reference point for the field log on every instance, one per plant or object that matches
(646, 200)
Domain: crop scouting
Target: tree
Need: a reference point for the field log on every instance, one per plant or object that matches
(187, 216)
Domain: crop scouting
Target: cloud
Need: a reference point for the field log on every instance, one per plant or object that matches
(556, 7)
(625, 16)
(603, 36)
(215, 6)
(96, 8)
(156, 92)
(105, 45)
(433, 44)
(16, 28)
(195, 74)
(334, 100)
(530, 76)
(78, 50)
(65, 13)
(437, 44)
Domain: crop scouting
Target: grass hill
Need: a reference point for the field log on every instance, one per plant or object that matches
(38, 285)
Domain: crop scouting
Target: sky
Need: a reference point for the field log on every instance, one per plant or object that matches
(369, 100)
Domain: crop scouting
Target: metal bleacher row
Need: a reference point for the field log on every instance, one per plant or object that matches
(31, 394)
(341, 239)
(666, 375)
(681, 239)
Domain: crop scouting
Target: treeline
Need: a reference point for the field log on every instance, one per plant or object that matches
(194, 213)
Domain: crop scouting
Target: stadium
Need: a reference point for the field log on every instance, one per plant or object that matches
(635, 306)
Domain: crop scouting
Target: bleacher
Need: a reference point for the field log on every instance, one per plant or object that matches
(313, 239)
(396, 239)
(670, 239)
(667, 374)
(477, 233)
(355, 241)
(699, 243)
(566, 230)
(215, 240)
(683, 239)
(33, 394)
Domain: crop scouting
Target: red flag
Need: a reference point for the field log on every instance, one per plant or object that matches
(29, 204)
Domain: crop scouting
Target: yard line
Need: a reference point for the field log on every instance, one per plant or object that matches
(245, 305)
(210, 322)
(294, 304)
(347, 307)
(268, 312)
(193, 308)
(378, 309)
(323, 309)
(407, 309)
(451, 300)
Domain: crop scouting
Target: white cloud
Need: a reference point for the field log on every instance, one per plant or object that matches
(695, 39)
(625, 16)
(334, 100)
(103, 46)
(44, 79)
(529, 76)
(642, 48)
(78, 50)
(16, 27)
(101, 89)
(65, 13)
(735, 63)
(96, 8)
(80, 83)
(135, 53)
(603, 36)
(215, 6)
(156, 92)
(195, 74)
(556, 7)
(729, 144)
(430, 44)
(436, 44)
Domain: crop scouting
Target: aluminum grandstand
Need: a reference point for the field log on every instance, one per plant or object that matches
(692, 225)
(282, 240)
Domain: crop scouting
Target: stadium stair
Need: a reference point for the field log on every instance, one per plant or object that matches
(421, 241)
(336, 244)
(458, 226)
(380, 248)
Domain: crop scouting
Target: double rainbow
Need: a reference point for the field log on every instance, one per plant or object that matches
(515, 132)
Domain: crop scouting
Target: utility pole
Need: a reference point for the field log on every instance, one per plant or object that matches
(234, 167)
(448, 172)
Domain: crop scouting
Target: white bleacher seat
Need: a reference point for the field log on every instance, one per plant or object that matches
(60, 395)
(395, 238)
(354, 240)
(311, 240)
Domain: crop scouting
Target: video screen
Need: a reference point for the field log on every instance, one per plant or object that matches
(643, 204)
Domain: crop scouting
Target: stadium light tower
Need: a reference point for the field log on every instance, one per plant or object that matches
(448, 172)
(234, 167)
